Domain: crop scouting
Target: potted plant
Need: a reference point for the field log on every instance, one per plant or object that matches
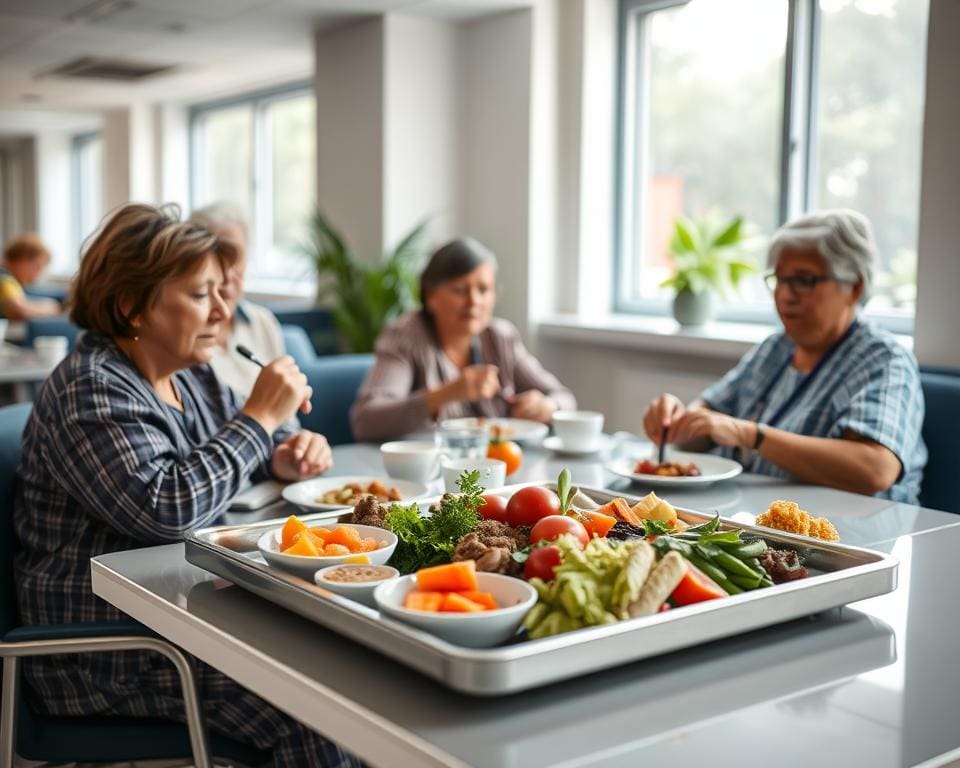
(364, 299)
(709, 256)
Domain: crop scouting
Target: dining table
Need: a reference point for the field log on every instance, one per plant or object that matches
(871, 683)
(21, 368)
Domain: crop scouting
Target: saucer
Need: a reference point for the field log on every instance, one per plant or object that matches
(555, 444)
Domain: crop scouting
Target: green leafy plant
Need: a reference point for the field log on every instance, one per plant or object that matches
(364, 299)
(710, 252)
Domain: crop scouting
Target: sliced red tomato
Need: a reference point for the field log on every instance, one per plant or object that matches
(493, 508)
(552, 527)
(541, 563)
(695, 587)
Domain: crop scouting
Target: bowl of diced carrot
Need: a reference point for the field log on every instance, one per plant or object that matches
(303, 549)
(458, 604)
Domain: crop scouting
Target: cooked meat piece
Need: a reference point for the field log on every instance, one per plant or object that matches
(496, 534)
(368, 512)
(782, 565)
(469, 548)
(496, 560)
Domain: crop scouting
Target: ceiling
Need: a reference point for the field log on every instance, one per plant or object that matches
(218, 46)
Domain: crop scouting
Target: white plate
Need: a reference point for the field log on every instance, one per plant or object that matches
(555, 444)
(518, 430)
(305, 494)
(712, 469)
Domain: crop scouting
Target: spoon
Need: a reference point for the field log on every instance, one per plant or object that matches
(245, 351)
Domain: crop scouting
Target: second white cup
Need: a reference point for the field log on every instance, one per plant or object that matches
(578, 429)
(410, 460)
(493, 472)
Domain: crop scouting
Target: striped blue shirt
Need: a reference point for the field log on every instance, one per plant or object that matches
(108, 466)
(871, 386)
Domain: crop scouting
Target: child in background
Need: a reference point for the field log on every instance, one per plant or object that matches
(23, 260)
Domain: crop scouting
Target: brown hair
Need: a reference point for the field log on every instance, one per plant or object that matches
(137, 251)
(27, 247)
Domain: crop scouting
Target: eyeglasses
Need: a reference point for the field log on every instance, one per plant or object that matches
(799, 285)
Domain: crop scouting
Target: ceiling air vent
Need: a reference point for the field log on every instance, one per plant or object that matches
(109, 69)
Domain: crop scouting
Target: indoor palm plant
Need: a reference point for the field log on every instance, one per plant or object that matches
(710, 256)
(364, 299)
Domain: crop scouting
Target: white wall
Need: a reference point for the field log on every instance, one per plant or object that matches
(422, 127)
(938, 308)
(171, 154)
(496, 180)
(350, 123)
(18, 187)
(116, 158)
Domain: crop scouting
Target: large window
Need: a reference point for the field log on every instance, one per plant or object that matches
(260, 154)
(767, 109)
(87, 195)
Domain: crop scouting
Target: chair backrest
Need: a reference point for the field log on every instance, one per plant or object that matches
(13, 418)
(317, 322)
(50, 326)
(940, 488)
(335, 379)
(297, 344)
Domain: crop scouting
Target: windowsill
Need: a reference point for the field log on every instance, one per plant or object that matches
(717, 339)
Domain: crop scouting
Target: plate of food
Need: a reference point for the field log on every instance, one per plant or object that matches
(326, 493)
(518, 430)
(681, 469)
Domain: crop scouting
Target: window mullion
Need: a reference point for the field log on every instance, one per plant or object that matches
(796, 140)
(262, 188)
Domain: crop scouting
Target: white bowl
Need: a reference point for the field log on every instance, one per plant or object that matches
(306, 566)
(473, 630)
(361, 591)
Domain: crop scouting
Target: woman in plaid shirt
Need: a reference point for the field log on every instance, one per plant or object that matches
(133, 442)
(831, 399)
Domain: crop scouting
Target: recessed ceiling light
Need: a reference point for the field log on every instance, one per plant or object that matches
(99, 10)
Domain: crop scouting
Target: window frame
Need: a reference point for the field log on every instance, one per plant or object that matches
(798, 158)
(78, 142)
(261, 180)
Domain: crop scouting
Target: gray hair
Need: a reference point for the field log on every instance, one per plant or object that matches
(216, 216)
(842, 237)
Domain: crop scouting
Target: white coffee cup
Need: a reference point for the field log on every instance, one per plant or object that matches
(578, 429)
(51, 349)
(3, 329)
(493, 472)
(410, 460)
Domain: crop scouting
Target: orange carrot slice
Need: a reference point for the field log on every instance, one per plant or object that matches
(304, 545)
(487, 600)
(346, 535)
(418, 600)
(454, 602)
(452, 577)
(290, 529)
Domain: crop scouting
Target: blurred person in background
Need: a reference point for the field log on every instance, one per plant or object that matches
(133, 442)
(453, 358)
(252, 325)
(24, 259)
(831, 399)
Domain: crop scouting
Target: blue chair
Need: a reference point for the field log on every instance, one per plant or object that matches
(84, 739)
(335, 379)
(940, 488)
(317, 322)
(298, 345)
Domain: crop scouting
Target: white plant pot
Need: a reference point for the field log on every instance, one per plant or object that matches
(693, 308)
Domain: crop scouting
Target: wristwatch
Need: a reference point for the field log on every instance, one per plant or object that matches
(758, 440)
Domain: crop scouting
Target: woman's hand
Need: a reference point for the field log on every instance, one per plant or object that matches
(717, 427)
(478, 382)
(278, 392)
(533, 404)
(300, 456)
(662, 412)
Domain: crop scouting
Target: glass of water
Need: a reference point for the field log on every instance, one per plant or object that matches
(458, 439)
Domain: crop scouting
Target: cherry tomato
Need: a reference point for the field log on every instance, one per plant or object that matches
(541, 563)
(550, 527)
(493, 508)
(506, 451)
(528, 505)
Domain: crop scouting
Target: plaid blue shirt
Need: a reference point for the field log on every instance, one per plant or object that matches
(871, 386)
(108, 466)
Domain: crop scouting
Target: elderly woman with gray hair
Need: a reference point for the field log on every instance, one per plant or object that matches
(829, 400)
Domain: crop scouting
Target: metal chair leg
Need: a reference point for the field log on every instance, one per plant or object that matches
(8, 711)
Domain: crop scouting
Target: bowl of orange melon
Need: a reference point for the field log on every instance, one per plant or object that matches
(301, 549)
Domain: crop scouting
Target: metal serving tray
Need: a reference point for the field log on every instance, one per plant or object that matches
(839, 575)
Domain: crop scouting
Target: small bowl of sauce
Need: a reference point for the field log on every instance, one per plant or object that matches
(355, 581)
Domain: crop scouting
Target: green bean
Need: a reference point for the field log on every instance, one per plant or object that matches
(747, 550)
(708, 568)
(734, 566)
(744, 582)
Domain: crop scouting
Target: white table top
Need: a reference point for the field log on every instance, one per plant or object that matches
(22, 366)
(874, 684)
